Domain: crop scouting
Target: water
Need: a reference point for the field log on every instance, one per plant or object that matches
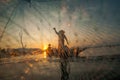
(39, 68)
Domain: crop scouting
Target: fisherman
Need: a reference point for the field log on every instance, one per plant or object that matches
(61, 40)
(49, 50)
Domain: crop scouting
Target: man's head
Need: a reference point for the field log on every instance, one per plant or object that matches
(62, 31)
(49, 45)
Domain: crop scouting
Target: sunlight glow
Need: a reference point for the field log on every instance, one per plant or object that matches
(45, 47)
(45, 54)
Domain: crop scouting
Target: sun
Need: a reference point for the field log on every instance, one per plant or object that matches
(45, 47)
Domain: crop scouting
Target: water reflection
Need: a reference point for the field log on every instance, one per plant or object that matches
(45, 55)
(41, 67)
(65, 69)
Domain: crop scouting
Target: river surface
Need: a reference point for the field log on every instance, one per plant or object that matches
(38, 67)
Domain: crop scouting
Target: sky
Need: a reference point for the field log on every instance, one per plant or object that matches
(85, 22)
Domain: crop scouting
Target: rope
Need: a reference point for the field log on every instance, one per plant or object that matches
(44, 19)
(42, 16)
(59, 15)
(6, 25)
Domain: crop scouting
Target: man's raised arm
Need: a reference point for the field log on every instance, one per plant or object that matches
(55, 30)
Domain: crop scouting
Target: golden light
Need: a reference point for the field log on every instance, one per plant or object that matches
(45, 55)
(45, 48)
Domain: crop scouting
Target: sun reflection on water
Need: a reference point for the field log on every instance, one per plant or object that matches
(44, 53)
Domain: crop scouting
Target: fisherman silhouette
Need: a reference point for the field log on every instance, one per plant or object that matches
(61, 40)
(49, 50)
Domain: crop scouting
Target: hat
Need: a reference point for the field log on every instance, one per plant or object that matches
(62, 31)
(49, 44)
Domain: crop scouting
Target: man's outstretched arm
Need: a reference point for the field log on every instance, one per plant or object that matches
(55, 30)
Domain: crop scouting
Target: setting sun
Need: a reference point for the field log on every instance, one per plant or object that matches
(45, 47)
